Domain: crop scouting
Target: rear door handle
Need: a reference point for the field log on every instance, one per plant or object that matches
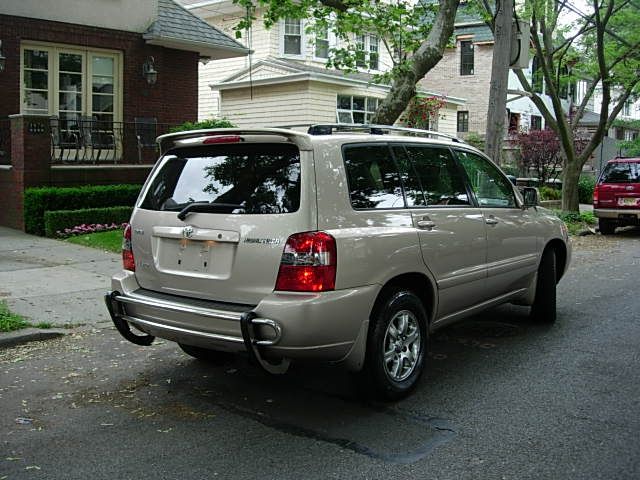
(491, 221)
(426, 224)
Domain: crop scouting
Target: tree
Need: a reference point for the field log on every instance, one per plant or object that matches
(603, 49)
(540, 152)
(415, 35)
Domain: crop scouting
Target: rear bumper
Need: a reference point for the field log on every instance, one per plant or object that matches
(323, 326)
(624, 215)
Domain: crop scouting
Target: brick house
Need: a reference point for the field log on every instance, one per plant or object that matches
(85, 88)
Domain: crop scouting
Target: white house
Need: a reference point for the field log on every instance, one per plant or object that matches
(285, 81)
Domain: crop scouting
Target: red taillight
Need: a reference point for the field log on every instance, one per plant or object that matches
(595, 195)
(128, 262)
(308, 263)
(222, 139)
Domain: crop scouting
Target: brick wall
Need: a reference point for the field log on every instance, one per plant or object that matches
(173, 99)
(474, 89)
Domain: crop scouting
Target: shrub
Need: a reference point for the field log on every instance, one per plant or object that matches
(37, 201)
(212, 123)
(548, 193)
(586, 185)
(70, 222)
(475, 140)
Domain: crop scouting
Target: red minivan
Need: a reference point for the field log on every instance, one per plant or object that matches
(616, 198)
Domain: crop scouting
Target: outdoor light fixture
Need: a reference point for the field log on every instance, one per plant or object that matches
(3, 59)
(149, 71)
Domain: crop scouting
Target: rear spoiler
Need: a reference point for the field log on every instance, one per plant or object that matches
(169, 141)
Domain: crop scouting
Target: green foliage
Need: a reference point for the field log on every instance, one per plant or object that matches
(630, 148)
(10, 321)
(577, 222)
(475, 140)
(58, 220)
(548, 193)
(422, 111)
(110, 241)
(204, 124)
(39, 200)
(586, 184)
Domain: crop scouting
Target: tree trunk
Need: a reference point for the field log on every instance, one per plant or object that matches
(499, 80)
(570, 178)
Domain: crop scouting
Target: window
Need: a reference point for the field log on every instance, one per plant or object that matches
(70, 82)
(367, 51)
(536, 122)
(374, 181)
(292, 36)
(466, 58)
(491, 188)
(355, 109)
(621, 172)
(253, 178)
(563, 82)
(322, 43)
(619, 132)
(536, 75)
(430, 176)
(514, 122)
(626, 109)
(463, 121)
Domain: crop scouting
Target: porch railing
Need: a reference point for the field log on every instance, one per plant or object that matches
(93, 141)
(5, 141)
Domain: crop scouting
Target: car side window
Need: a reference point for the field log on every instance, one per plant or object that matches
(492, 189)
(435, 175)
(374, 180)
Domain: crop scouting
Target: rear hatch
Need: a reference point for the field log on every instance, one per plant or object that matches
(246, 198)
(619, 185)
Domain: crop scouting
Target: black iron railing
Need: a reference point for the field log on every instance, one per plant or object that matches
(92, 141)
(5, 141)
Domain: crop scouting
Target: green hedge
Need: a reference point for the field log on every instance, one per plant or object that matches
(37, 201)
(58, 220)
(586, 185)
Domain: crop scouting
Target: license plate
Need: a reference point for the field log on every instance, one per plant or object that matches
(193, 256)
(627, 201)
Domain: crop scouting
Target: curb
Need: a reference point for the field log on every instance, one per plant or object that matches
(20, 337)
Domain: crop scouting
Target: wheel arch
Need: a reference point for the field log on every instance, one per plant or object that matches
(417, 282)
(560, 249)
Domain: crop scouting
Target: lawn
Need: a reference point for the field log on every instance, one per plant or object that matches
(110, 241)
(10, 321)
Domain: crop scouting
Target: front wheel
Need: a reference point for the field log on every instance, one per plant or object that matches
(543, 309)
(396, 347)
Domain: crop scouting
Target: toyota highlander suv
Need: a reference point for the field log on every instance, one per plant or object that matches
(343, 244)
(616, 197)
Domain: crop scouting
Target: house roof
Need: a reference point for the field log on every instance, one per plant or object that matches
(469, 22)
(272, 70)
(176, 27)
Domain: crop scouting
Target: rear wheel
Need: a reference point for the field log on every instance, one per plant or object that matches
(396, 347)
(205, 354)
(544, 306)
(606, 226)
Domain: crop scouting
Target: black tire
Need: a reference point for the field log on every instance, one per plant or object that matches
(606, 227)
(405, 358)
(205, 354)
(543, 309)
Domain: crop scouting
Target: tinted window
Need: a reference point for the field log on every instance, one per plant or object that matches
(621, 172)
(373, 178)
(437, 176)
(259, 178)
(491, 187)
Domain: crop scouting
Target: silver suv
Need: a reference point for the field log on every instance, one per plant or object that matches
(347, 245)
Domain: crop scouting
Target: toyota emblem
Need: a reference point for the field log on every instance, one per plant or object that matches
(187, 232)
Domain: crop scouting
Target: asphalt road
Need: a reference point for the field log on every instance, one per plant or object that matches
(502, 398)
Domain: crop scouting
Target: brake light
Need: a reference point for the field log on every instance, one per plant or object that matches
(595, 195)
(222, 139)
(128, 262)
(308, 263)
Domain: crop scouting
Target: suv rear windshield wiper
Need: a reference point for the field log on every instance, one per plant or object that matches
(208, 207)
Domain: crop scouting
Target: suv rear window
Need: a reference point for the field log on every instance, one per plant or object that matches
(621, 172)
(258, 178)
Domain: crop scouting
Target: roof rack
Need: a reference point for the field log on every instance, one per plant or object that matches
(330, 128)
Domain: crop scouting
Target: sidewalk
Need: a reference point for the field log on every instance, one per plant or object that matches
(52, 281)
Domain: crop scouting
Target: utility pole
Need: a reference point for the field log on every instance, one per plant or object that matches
(497, 111)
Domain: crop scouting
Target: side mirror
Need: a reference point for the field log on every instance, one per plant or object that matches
(530, 195)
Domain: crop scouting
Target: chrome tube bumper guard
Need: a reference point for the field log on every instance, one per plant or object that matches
(248, 321)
